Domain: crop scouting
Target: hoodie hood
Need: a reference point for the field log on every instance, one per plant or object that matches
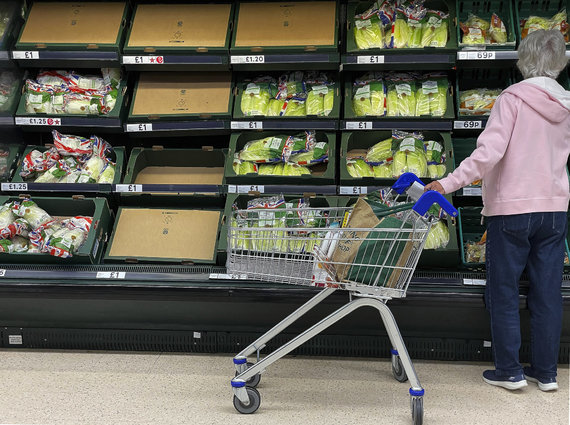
(545, 96)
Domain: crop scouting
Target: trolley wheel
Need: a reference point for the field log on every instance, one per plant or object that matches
(254, 402)
(254, 380)
(398, 370)
(417, 410)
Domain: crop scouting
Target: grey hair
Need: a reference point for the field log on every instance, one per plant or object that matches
(542, 54)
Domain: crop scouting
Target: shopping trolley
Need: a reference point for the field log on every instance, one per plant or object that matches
(322, 247)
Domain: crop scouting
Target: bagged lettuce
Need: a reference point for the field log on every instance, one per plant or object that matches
(255, 99)
(401, 97)
(497, 31)
(92, 170)
(30, 212)
(434, 33)
(431, 97)
(401, 30)
(269, 149)
(409, 155)
(383, 171)
(275, 108)
(558, 22)
(290, 169)
(296, 108)
(359, 168)
(435, 159)
(108, 174)
(268, 170)
(369, 98)
(244, 167)
(438, 236)
(315, 103)
(369, 33)
(380, 152)
(477, 101)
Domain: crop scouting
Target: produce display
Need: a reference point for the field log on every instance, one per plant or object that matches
(477, 31)
(281, 155)
(407, 24)
(269, 212)
(73, 159)
(557, 22)
(27, 228)
(477, 101)
(8, 89)
(63, 92)
(475, 250)
(402, 153)
(400, 94)
(297, 94)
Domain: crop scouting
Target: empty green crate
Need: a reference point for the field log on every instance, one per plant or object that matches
(322, 174)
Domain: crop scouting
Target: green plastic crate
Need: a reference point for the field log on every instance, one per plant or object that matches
(175, 46)
(470, 230)
(356, 8)
(117, 156)
(349, 110)
(9, 156)
(366, 139)
(92, 249)
(238, 114)
(263, 49)
(484, 10)
(542, 8)
(116, 113)
(71, 46)
(462, 148)
(179, 260)
(157, 156)
(326, 172)
(478, 78)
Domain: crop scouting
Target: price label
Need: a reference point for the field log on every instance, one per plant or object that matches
(467, 125)
(26, 55)
(143, 60)
(479, 55)
(232, 188)
(359, 125)
(246, 125)
(373, 59)
(38, 121)
(472, 191)
(474, 282)
(111, 275)
(353, 190)
(14, 187)
(225, 276)
(250, 188)
(248, 59)
(136, 128)
(15, 340)
(128, 188)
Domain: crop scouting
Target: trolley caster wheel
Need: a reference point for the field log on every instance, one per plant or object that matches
(398, 370)
(254, 402)
(417, 410)
(254, 380)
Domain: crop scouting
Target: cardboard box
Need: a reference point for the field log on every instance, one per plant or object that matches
(91, 23)
(180, 26)
(171, 235)
(180, 94)
(300, 24)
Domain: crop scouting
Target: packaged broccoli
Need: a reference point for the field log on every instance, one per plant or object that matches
(409, 154)
(401, 97)
(431, 97)
(435, 29)
(380, 152)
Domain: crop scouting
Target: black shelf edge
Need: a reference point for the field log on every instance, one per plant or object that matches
(364, 125)
(157, 61)
(168, 188)
(30, 121)
(239, 60)
(5, 56)
(364, 60)
(470, 124)
(165, 126)
(289, 189)
(6, 121)
(31, 56)
(56, 187)
(263, 124)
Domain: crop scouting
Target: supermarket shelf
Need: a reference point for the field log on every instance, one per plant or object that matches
(301, 61)
(35, 123)
(387, 124)
(173, 62)
(399, 61)
(76, 59)
(285, 124)
(146, 128)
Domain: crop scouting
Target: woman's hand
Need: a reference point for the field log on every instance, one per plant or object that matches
(435, 186)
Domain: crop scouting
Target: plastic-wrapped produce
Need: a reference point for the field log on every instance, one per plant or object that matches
(359, 168)
(431, 97)
(438, 236)
(30, 212)
(558, 22)
(243, 167)
(409, 155)
(255, 99)
(401, 30)
(108, 174)
(380, 152)
(369, 98)
(435, 30)
(401, 97)
(477, 101)
(369, 33)
(383, 171)
(435, 159)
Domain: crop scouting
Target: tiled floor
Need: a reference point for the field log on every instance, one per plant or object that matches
(96, 388)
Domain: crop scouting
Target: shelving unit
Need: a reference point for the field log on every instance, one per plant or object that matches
(203, 298)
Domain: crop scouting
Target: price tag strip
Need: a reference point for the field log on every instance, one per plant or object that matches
(474, 282)
(370, 60)
(232, 188)
(14, 187)
(129, 188)
(246, 125)
(467, 125)
(111, 275)
(25, 55)
(225, 276)
(143, 60)
(353, 190)
(38, 121)
(136, 128)
(250, 59)
(478, 55)
(359, 125)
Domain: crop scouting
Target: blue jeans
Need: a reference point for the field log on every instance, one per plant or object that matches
(535, 241)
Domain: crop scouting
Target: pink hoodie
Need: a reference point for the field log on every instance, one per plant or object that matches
(522, 153)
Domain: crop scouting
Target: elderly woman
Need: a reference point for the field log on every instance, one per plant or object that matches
(521, 158)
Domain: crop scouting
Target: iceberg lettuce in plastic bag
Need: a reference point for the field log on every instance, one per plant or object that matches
(438, 236)
(435, 29)
(255, 99)
(431, 97)
(380, 152)
(409, 154)
(401, 97)
(359, 168)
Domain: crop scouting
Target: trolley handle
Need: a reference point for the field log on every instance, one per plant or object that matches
(414, 187)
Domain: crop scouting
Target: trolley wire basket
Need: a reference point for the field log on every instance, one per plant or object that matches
(370, 249)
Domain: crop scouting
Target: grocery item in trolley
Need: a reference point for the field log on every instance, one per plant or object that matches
(27, 228)
(67, 92)
(72, 159)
